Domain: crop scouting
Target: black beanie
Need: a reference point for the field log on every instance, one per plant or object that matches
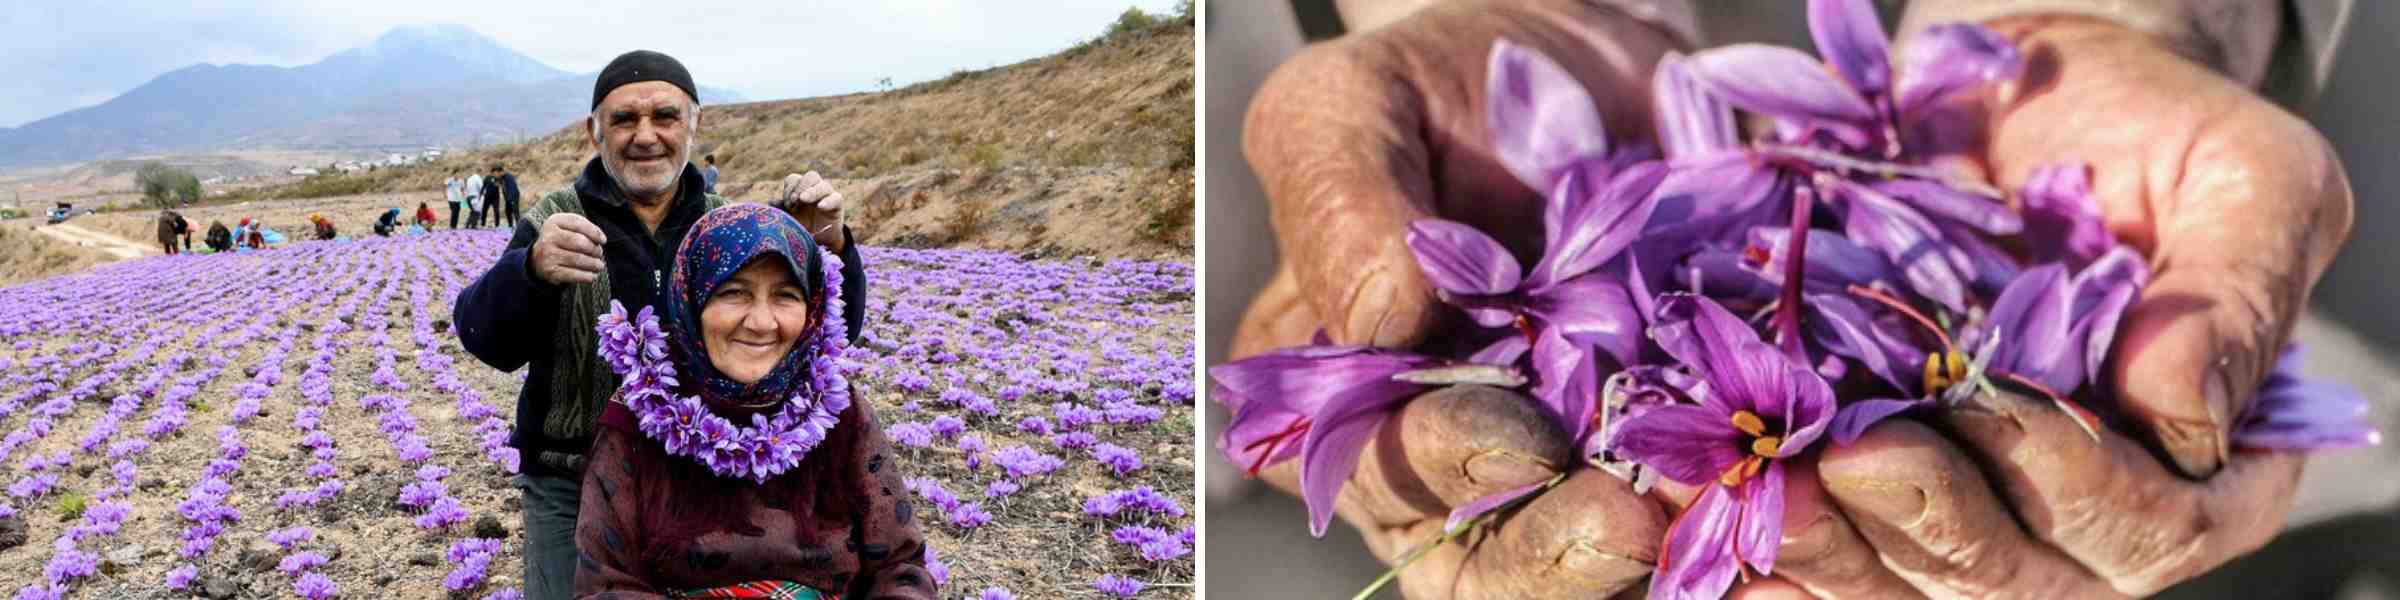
(639, 66)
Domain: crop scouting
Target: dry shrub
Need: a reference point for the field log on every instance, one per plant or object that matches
(1170, 219)
(966, 218)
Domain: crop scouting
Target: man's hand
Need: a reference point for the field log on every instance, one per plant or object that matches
(1590, 536)
(1354, 139)
(567, 251)
(812, 200)
(2240, 207)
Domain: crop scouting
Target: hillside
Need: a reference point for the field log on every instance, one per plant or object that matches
(371, 96)
(1087, 151)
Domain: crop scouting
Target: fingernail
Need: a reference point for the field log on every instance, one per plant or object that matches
(1892, 502)
(1505, 468)
(1587, 562)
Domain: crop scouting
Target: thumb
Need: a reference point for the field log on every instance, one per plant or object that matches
(1344, 184)
(2238, 252)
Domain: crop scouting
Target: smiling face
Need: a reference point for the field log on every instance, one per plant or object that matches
(643, 133)
(753, 319)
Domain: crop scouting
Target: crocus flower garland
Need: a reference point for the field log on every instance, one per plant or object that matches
(1708, 315)
(636, 349)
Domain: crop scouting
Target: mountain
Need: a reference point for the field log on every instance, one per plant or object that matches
(417, 85)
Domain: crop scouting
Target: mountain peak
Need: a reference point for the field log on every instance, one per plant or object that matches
(445, 33)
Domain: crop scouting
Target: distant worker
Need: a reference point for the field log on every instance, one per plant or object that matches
(455, 190)
(708, 176)
(170, 226)
(491, 198)
(474, 189)
(389, 221)
(247, 235)
(425, 217)
(325, 226)
(508, 193)
(220, 239)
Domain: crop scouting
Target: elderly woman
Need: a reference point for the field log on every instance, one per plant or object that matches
(732, 463)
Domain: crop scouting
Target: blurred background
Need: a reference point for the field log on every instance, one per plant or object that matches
(2342, 532)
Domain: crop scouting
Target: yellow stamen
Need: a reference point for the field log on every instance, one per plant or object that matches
(1749, 423)
(1766, 446)
(1958, 367)
(1741, 471)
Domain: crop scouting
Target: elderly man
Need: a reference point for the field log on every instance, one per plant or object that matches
(611, 237)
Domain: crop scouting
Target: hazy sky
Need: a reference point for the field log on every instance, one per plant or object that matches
(60, 55)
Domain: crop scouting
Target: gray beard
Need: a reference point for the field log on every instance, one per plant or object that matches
(608, 163)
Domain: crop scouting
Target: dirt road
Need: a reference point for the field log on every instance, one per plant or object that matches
(113, 245)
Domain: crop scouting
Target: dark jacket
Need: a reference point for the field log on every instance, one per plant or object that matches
(508, 187)
(491, 190)
(507, 318)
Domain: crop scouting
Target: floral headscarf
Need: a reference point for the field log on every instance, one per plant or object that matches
(719, 245)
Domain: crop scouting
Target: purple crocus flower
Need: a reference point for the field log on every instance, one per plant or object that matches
(1319, 403)
(1117, 585)
(1834, 132)
(1758, 406)
(2047, 332)
(2293, 412)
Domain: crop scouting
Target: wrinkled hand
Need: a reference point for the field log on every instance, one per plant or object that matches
(1354, 139)
(2240, 206)
(812, 200)
(567, 250)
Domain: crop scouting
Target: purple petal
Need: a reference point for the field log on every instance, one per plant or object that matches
(1786, 84)
(1593, 310)
(2034, 319)
(1834, 262)
(1542, 120)
(2102, 293)
(1503, 351)
(1925, 257)
(1329, 453)
(1252, 423)
(1760, 532)
(1686, 443)
(1852, 40)
(1726, 275)
(1856, 416)
(2062, 219)
(1809, 408)
(1845, 329)
(1699, 560)
(1476, 508)
(1461, 260)
(1938, 200)
(1569, 398)
(1950, 57)
(2293, 412)
(1743, 373)
(1691, 122)
(1590, 219)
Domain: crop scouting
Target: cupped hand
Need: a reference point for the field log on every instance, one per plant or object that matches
(1356, 138)
(2240, 207)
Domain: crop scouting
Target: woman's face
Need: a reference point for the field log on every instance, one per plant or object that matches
(753, 319)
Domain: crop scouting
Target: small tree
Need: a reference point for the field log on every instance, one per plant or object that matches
(166, 187)
(1133, 21)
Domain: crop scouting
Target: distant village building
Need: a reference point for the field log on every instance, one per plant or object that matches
(304, 171)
